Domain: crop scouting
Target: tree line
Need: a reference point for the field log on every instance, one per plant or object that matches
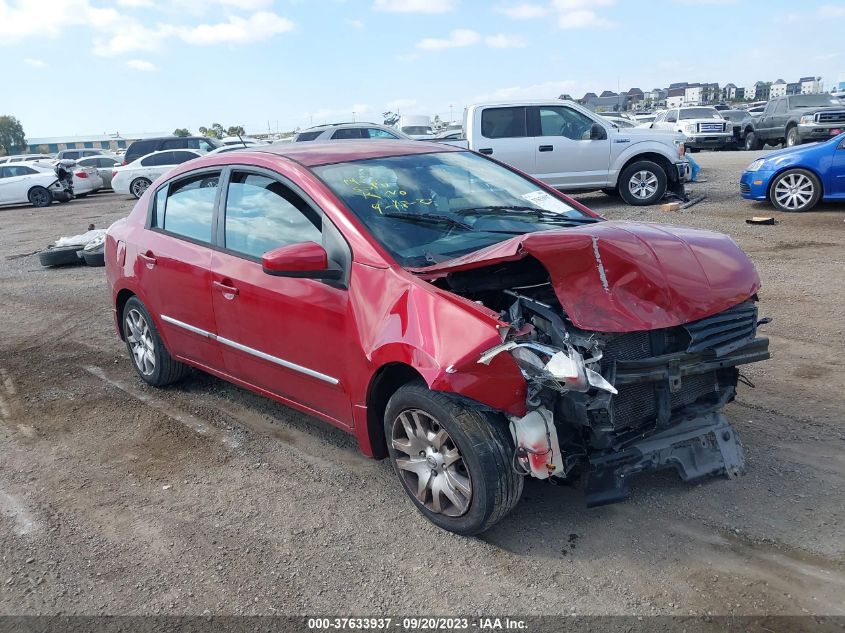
(215, 131)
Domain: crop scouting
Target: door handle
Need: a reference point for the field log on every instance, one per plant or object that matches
(547, 148)
(229, 292)
(486, 150)
(148, 259)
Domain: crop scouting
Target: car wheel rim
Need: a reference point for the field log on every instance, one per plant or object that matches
(39, 198)
(139, 187)
(430, 464)
(140, 339)
(643, 184)
(794, 191)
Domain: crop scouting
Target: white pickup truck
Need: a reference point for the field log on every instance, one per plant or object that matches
(571, 148)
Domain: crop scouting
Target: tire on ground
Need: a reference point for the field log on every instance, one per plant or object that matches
(814, 198)
(60, 256)
(485, 444)
(167, 369)
(631, 171)
(40, 197)
(95, 258)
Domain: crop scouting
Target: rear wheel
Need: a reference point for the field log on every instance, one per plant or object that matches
(795, 190)
(642, 183)
(152, 361)
(453, 460)
(40, 197)
(138, 186)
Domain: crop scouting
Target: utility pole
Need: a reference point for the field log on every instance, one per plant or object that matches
(451, 118)
(353, 116)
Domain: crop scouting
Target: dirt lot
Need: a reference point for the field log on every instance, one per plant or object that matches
(116, 498)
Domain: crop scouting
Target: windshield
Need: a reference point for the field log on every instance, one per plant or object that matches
(734, 115)
(416, 130)
(700, 113)
(812, 101)
(427, 208)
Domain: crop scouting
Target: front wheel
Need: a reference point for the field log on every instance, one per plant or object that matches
(152, 361)
(453, 460)
(795, 190)
(139, 186)
(642, 183)
(752, 143)
(792, 138)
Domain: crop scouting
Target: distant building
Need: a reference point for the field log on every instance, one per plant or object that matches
(53, 144)
(675, 97)
(810, 85)
(635, 97)
(611, 102)
(740, 94)
(588, 99)
(793, 88)
(710, 93)
(566, 97)
(778, 89)
(680, 84)
(759, 91)
(729, 92)
(657, 97)
(692, 94)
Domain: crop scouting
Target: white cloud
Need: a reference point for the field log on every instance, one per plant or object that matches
(130, 36)
(582, 19)
(415, 6)
(457, 39)
(35, 63)
(523, 11)
(356, 24)
(142, 65)
(500, 40)
(259, 26)
(832, 11)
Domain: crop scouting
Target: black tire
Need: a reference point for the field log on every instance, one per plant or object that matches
(138, 186)
(614, 193)
(40, 197)
(752, 143)
(165, 369)
(792, 138)
(60, 256)
(634, 172)
(95, 258)
(800, 177)
(486, 449)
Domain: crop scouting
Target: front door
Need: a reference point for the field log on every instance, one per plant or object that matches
(15, 184)
(836, 173)
(174, 267)
(285, 335)
(566, 156)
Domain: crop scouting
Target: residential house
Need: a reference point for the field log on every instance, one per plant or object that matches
(635, 97)
(588, 99)
(793, 88)
(778, 89)
(740, 94)
(609, 101)
(810, 85)
(692, 94)
(729, 92)
(759, 91)
(566, 97)
(710, 93)
(675, 97)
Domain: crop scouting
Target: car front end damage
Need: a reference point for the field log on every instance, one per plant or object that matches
(604, 405)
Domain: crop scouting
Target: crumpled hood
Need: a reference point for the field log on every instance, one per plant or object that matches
(628, 276)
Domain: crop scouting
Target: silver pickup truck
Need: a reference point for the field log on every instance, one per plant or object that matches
(573, 149)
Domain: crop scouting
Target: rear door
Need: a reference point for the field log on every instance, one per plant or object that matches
(765, 123)
(504, 136)
(285, 335)
(173, 266)
(565, 154)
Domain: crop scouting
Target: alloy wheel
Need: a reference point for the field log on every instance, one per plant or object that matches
(139, 187)
(794, 191)
(140, 339)
(643, 184)
(430, 464)
(40, 198)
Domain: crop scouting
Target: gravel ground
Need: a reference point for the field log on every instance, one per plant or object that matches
(203, 498)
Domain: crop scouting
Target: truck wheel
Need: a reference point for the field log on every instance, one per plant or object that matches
(453, 460)
(642, 183)
(792, 138)
(40, 197)
(152, 361)
(795, 190)
(752, 143)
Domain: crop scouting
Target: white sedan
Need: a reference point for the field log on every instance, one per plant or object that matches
(34, 183)
(134, 178)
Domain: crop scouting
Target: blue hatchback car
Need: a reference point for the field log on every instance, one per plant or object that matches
(796, 178)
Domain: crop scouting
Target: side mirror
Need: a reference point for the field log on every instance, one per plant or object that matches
(302, 260)
(597, 132)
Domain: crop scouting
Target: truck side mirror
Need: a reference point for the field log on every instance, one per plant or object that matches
(597, 132)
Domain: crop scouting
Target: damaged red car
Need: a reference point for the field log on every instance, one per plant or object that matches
(458, 317)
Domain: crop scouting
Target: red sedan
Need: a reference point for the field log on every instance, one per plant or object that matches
(455, 315)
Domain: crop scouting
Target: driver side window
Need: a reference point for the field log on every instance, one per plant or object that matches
(563, 121)
(672, 116)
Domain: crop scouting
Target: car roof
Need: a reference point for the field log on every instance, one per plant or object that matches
(317, 153)
(162, 151)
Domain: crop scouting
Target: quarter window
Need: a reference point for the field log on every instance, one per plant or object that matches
(308, 136)
(374, 132)
(186, 207)
(263, 214)
(504, 122)
(347, 133)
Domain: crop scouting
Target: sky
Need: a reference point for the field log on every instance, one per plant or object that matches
(91, 67)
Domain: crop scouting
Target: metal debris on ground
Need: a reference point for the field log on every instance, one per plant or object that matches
(760, 220)
(693, 201)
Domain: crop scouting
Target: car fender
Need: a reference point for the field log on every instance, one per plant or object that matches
(638, 148)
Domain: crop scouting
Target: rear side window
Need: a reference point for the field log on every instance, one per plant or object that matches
(181, 157)
(19, 170)
(504, 122)
(154, 160)
(263, 214)
(374, 132)
(186, 207)
(308, 136)
(345, 134)
(174, 143)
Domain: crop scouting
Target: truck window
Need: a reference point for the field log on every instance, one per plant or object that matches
(563, 121)
(504, 122)
(780, 106)
(672, 116)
